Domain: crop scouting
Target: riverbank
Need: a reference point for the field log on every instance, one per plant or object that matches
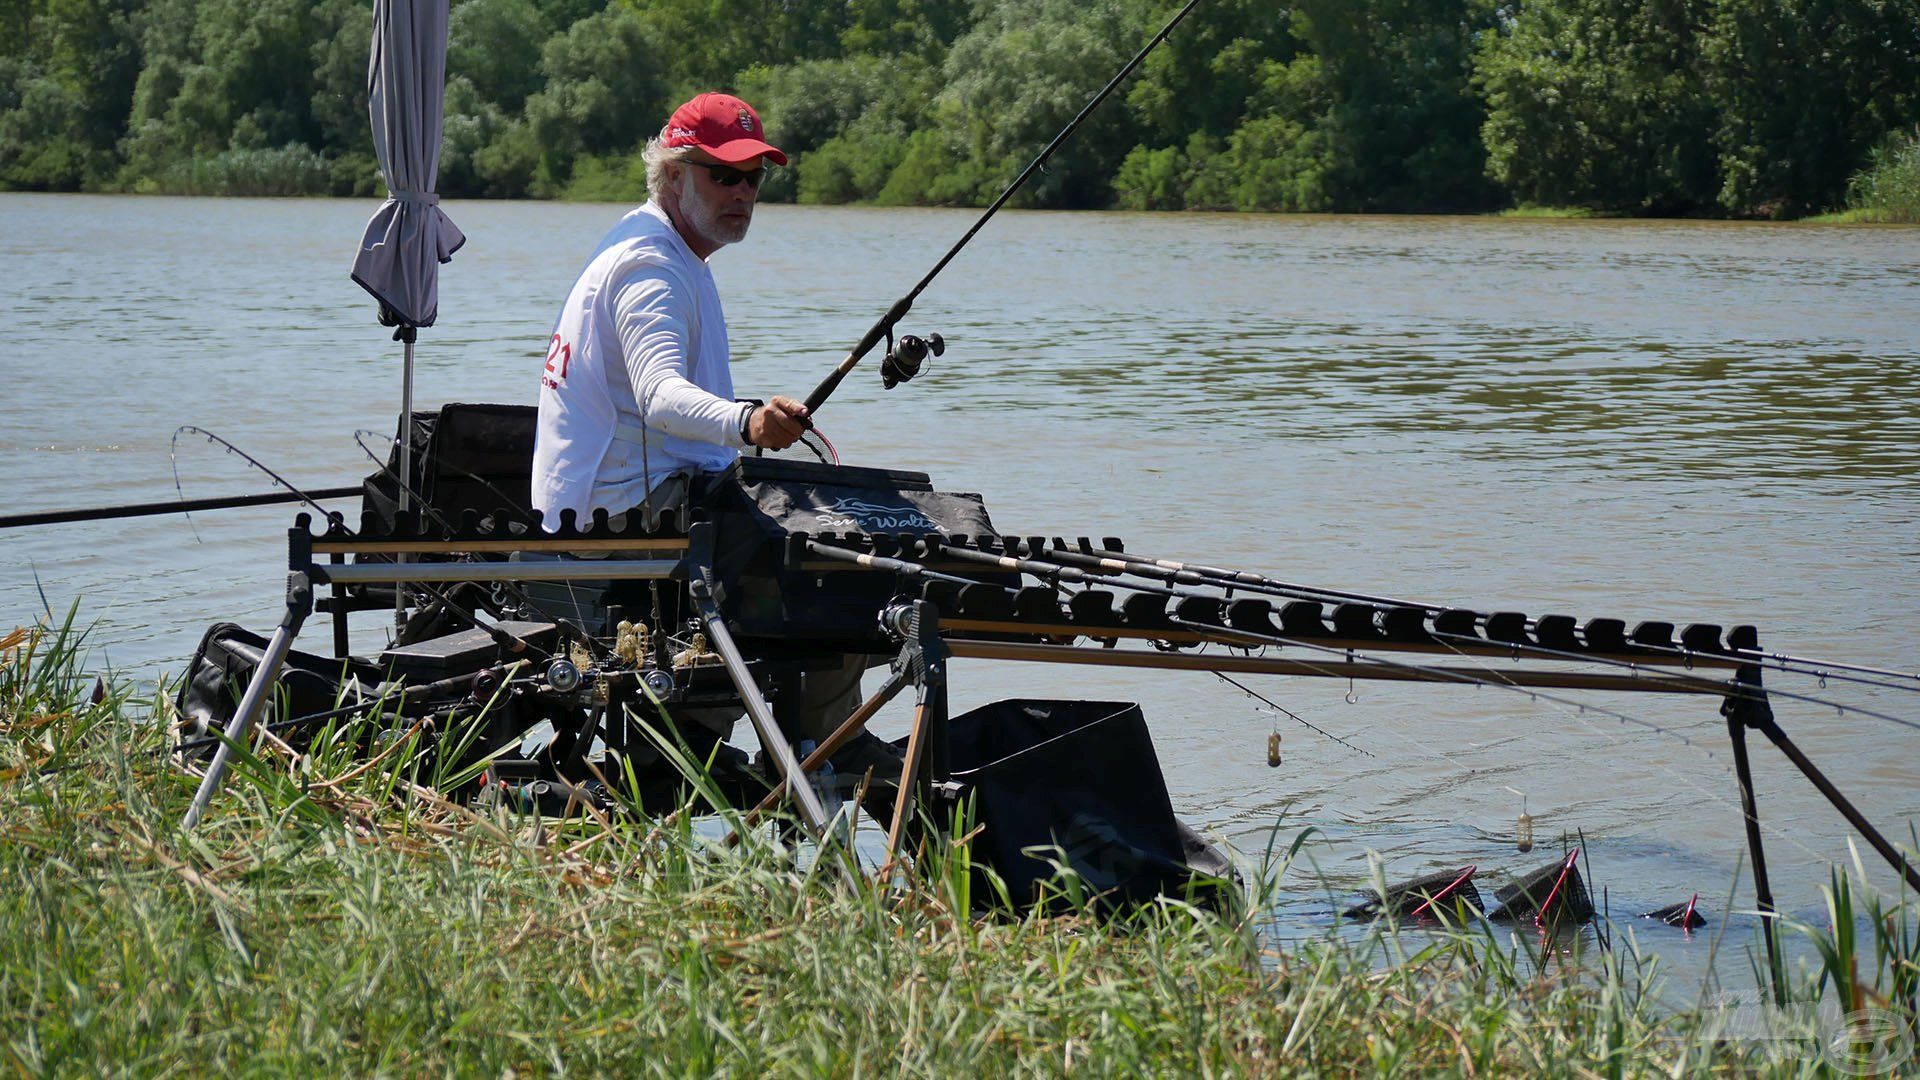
(350, 920)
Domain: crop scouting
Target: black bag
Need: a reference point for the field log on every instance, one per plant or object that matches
(757, 503)
(224, 664)
(1077, 782)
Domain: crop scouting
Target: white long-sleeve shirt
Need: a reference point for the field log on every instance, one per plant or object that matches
(637, 382)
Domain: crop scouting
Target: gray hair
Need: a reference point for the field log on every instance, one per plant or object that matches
(659, 159)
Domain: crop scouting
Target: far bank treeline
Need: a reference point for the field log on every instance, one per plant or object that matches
(1731, 107)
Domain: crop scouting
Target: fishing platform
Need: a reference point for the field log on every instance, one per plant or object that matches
(776, 567)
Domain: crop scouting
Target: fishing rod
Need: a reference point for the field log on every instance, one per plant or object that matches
(182, 504)
(913, 350)
(219, 502)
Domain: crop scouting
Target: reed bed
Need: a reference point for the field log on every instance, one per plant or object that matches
(339, 918)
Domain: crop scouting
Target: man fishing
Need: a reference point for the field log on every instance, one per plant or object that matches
(637, 392)
(636, 396)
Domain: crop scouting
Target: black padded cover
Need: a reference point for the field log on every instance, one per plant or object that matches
(758, 502)
(1075, 781)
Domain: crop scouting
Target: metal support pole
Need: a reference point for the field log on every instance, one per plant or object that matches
(341, 646)
(1895, 858)
(406, 334)
(1744, 710)
(927, 761)
(772, 739)
(933, 674)
(254, 701)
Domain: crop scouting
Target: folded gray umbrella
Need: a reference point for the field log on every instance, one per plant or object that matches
(409, 237)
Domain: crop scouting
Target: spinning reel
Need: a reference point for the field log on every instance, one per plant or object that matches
(904, 359)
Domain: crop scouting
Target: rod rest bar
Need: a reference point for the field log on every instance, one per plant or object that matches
(1507, 627)
(1354, 621)
(1253, 616)
(1701, 637)
(581, 570)
(502, 524)
(1302, 618)
(1200, 610)
(1606, 635)
(1654, 635)
(1037, 603)
(1093, 608)
(1145, 611)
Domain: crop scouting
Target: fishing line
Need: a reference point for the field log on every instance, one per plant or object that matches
(1263, 699)
(1720, 799)
(173, 458)
(1577, 709)
(1241, 579)
(1789, 658)
(1273, 639)
(1558, 654)
(1580, 708)
(507, 502)
(1435, 674)
(1791, 665)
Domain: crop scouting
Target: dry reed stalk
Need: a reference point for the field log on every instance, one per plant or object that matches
(375, 760)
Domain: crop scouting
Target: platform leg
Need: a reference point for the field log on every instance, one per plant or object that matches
(772, 739)
(254, 701)
(1744, 710)
(927, 762)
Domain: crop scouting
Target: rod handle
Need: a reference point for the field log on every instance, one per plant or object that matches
(874, 333)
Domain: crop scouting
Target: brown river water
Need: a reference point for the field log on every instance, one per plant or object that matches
(1647, 420)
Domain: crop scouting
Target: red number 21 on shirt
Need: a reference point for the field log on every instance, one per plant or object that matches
(561, 351)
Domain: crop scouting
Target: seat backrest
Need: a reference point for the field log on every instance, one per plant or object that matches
(480, 458)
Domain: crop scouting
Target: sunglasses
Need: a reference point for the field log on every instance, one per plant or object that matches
(727, 176)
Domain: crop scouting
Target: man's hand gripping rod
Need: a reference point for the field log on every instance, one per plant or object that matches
(884, 327)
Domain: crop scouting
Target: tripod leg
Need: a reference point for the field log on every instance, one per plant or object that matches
(254, 701)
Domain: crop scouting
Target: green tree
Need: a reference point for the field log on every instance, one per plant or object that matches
(806, 103)
(74, 65)
(605, 91)
(1403, 128)
(495, 45)
(1599, 104)
(1806, 90)
(1200, 79)
(922, 28)
(710, 44)
(1012, 82)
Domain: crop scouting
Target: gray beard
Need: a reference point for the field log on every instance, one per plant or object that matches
(706, 221)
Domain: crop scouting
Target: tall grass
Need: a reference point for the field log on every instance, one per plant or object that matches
(339, 918)
(1888, 189)
(287, 170)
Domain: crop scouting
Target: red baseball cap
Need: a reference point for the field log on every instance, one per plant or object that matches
(723, 126)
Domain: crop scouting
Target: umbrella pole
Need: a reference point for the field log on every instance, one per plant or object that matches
(407, 335)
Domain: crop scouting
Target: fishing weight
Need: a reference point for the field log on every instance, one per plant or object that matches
(905, 357)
